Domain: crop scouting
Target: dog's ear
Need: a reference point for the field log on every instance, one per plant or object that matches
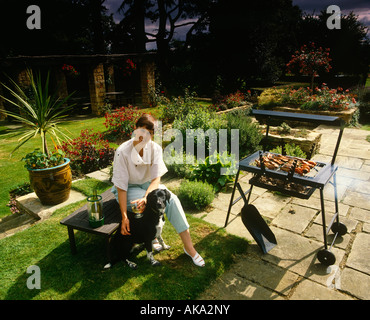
(168, 195)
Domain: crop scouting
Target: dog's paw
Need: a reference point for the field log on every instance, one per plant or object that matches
(107, 266)
(166, 247)
(155, 263)
(131, 264)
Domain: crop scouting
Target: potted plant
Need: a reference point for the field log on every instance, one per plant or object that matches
(40, 114)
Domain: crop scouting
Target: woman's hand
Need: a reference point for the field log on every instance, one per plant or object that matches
(125, 227)
(140, 204)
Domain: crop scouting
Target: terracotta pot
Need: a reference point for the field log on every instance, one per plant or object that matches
(52, 185)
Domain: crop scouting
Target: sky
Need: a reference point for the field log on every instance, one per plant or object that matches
(359, 7)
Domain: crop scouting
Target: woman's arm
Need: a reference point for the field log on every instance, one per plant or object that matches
(122, 200)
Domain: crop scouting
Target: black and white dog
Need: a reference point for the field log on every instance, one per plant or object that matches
(143, 230)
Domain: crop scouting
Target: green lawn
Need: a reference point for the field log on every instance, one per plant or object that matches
(12, 172)
(81, 276)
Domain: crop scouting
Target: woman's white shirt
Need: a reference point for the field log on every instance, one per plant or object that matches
(130, 168)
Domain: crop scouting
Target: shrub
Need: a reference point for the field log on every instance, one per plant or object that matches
(200, 121)
(232, 100)
(250, 134)
(270, 97)
(179, 107)
(210, 170)
(121, 122)
(88, 152)
(196, 194)
(290, 150)
(178, 165)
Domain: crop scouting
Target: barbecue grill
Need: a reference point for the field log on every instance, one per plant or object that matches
(293, 176)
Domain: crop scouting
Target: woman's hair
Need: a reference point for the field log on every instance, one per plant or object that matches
(147, 121)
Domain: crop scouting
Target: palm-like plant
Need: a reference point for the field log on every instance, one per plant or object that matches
(39, 112)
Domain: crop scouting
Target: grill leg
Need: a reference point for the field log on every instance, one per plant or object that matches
(336, 198)
(323, 216)
(232, 198)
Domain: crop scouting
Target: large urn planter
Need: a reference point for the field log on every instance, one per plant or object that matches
(52, 185)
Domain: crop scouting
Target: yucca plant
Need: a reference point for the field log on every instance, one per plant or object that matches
(39, 112)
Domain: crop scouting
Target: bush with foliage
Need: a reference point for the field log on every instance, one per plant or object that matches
(179, 107)
(211, 170)
(200, 121)
(290, 150)
(88, 152)
(250, 134)
(121, 122)
(230, 101)
(178, 166)
(195, 194)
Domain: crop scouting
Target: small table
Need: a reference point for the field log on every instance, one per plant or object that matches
(79, 220)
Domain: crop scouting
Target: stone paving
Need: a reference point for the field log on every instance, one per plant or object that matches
(290, 271)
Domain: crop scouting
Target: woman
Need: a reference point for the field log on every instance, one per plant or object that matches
(137, 169)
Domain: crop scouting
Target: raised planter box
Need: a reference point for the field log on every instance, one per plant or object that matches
(310, 143)
(346, 115)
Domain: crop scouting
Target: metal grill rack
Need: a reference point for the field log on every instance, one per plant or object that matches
(291, 183)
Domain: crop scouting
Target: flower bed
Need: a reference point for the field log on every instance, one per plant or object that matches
(88, 152)
(326, 101)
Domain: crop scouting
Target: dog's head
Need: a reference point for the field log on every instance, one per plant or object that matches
(156, 200)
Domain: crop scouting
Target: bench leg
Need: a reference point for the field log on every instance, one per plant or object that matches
(72, 241)
(108, 248)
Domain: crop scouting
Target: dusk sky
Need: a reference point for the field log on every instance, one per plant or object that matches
(359, 7)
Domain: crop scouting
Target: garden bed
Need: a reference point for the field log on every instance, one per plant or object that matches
(346, 115)
(309, 141)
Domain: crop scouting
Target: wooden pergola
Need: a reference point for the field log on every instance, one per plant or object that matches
(97, 66)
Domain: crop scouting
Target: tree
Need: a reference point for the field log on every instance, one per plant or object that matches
(310, 61)
(67, 27)
(169, 16)
(349, 45)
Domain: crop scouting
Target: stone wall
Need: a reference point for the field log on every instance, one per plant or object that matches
(147, 81)
(96, 87)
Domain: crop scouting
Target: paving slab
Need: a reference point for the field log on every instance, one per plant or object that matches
(357, 199)
(355, 283)
(294, 218)
(266, 274)
(310, 290)
(31, 204)
(315, 203)
(270, 204)
(298, 254)
(359, 257)
(360, 214)
(102, 175)
(233, 287)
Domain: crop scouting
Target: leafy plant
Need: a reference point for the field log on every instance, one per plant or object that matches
(291, 150)
(39, 112)
(211, 170)
(179, 107)
(250, 134)
(196, 194)
(40, 160)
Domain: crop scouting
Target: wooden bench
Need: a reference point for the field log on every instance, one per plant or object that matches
(79, 220)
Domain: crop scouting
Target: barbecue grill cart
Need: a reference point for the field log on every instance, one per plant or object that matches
(293, 176)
